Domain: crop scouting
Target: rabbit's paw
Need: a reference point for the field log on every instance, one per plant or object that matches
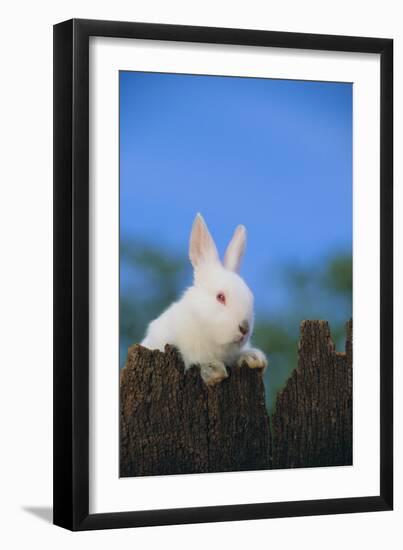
(253, 358)
(213, 373)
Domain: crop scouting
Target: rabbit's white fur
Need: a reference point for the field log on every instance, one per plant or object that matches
(206, 331)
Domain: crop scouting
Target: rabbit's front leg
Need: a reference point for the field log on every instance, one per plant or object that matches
(254, 358)
(213, 373)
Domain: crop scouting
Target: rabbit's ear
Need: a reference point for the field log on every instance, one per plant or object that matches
(202, 248)
(235, 249)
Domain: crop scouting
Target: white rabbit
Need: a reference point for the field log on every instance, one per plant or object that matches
(212, 322)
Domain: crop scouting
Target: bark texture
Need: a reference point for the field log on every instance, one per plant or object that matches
(171, 423)
(312, 422)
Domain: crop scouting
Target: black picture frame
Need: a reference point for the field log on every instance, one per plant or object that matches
(71, 274)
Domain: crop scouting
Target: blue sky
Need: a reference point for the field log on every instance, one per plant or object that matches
(275, 155)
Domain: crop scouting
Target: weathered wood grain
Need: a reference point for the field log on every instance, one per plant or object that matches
(312, 421)
(171, 423)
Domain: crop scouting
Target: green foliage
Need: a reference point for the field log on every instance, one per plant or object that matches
(151, 279)
(318, 291)
(338, 276)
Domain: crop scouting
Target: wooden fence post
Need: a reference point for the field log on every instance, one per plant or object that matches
(171, 423)
(312, 421)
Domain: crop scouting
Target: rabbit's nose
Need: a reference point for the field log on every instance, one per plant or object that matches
(244, 328)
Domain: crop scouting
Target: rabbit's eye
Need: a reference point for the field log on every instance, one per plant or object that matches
(221, 298)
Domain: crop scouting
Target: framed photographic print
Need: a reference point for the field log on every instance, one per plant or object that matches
(223, 230)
